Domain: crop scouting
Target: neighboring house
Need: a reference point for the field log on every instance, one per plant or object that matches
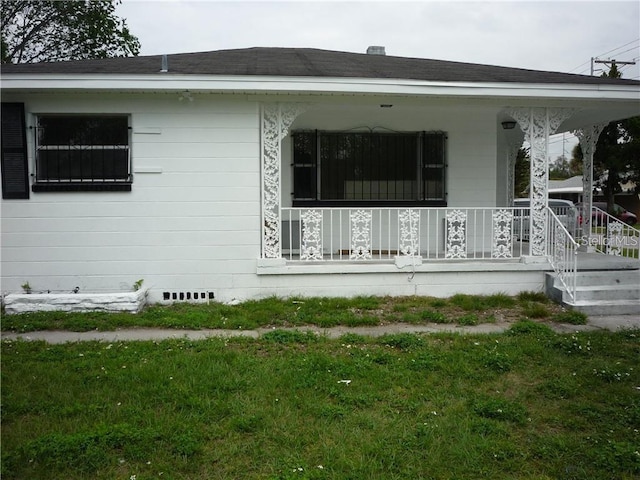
(573, 187)
(570, 188)
(279, 171)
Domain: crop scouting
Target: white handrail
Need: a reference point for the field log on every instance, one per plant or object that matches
(563, 254)
(621, 239)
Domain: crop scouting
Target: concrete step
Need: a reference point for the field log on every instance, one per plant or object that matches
(608, 277)
(613, 292)
(605, 307)
(608, 292)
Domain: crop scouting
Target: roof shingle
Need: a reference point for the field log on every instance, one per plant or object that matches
(308, 62)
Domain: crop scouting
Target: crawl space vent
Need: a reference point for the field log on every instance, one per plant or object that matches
(188, 296)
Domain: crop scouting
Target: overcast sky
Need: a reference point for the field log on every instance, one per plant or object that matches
(543, 35)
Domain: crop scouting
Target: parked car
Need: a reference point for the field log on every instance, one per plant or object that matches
(598, 217)
(565, 210)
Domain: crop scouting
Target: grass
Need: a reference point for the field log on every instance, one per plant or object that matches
(322, 312)
(526, 404)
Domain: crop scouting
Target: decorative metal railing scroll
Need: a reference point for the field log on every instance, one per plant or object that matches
(311, 235)
(360, 221)
(456, 234)
(502, 234)
(409, 221)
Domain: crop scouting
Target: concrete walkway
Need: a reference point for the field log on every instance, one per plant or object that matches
(609, 322)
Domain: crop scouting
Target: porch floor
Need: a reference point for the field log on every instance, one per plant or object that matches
(586, 261)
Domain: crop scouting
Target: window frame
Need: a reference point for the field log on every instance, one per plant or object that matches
(82, 182)
(421, 164)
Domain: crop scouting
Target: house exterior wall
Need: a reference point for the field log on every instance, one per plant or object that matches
(471, 148)
(190, 224)
(192, 220)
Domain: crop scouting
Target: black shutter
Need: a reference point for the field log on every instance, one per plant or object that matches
(15, 168)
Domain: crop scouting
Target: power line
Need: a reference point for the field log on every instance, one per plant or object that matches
(621, 46)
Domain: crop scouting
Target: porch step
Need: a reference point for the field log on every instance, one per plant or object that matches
(608, 277)
(604, 307)
(610, 292)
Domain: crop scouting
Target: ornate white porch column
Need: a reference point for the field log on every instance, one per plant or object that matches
(588, 138)
(275, 120)
(538, 123)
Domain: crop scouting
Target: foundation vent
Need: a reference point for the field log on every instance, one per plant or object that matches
(192, 296)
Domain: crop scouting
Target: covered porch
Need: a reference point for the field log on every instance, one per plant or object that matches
(465, 214)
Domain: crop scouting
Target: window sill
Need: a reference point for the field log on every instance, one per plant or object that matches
(81, 187)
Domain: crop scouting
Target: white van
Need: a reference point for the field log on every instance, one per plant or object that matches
(565, 210)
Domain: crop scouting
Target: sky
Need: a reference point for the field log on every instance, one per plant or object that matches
(550, 35)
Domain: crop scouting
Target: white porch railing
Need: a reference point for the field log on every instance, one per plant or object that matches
(563, 253)
(380, 234)
(611, 236)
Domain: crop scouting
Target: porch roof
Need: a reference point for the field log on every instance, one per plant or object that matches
(309, 62)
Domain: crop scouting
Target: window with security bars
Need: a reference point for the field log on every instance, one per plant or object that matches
(82, 152)
(368, 168)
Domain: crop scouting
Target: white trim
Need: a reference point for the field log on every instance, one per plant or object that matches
(311, 85)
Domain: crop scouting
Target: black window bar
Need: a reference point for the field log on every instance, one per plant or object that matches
(368, 168)
(82, 153)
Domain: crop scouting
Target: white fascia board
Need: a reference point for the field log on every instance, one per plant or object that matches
(313, 85)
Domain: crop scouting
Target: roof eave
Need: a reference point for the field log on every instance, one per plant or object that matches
(312, 85)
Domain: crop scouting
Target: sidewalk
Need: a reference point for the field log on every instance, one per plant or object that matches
(607, 322)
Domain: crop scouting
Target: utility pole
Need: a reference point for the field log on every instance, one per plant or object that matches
(607, 62)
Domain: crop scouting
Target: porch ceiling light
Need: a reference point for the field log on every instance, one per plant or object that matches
(385, 105)
(509, 125)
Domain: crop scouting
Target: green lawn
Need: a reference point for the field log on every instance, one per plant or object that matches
(322, 312)
(526, 404)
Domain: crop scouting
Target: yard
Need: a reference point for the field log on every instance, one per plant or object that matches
(321, 312)
(525, 404)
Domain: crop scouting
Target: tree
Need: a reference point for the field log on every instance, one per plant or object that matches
(560, 169)
(48, 31)
(576, 164)
(617, 155)
(522, 173)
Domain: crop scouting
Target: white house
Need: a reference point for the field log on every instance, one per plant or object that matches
(280, 171)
